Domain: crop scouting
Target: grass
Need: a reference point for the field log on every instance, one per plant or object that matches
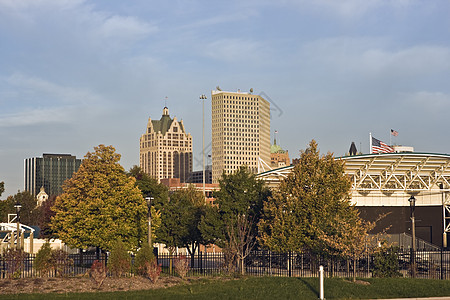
(274, 288)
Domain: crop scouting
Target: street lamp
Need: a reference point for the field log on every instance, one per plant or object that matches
(17, 206)
(203, 97)
(412, 206)
(149, 204)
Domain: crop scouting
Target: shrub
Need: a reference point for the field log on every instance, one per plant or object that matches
(61, 262)
(98, 272)
(14, 262)
(181, 265)
(153, 270)
(386, 263)
(43, 262)
(119, 262)
(144, 255)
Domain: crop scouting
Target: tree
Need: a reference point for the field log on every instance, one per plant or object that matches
(2, 187)
(100, 204)
(45, 214)
(150, 187)
(311, 209)
(180, 220)
(232, 225)
(29, 214)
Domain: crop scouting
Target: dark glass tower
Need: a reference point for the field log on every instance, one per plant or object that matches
(49, 171)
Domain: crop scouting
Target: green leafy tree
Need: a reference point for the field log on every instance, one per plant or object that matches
(150, 187)
(43, 262)
(29, 214)
(311, 209)
(143, 257)
(100, 204)
(232, 225)
(180, 220)
(119, 262)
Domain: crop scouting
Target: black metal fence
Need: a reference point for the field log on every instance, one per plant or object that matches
(426, 264)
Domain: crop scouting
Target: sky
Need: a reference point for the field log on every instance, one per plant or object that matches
(75, 74)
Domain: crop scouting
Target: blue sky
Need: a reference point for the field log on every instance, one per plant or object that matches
(75, 74)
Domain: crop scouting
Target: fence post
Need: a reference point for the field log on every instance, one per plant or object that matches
(200, 261)
(442, 271)
(321, 293)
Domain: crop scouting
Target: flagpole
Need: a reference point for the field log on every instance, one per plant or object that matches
(390, 138)
(370, 142)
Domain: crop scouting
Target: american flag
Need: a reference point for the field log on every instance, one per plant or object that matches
(393, 132)
(380, 147)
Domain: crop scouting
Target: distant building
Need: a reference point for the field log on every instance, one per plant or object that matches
(41, 197)
(174, 184)
(278, 157)
(240, 132)
(49, 171)
(166, 149)
(197, 176)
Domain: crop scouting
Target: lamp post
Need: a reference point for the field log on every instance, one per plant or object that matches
(149, 204)
(17, 206)
(412, 206)
(203, 97)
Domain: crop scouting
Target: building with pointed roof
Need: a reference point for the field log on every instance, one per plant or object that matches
(166, 149)
(278, 156)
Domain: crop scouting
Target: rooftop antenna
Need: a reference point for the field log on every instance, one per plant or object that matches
(165, 101)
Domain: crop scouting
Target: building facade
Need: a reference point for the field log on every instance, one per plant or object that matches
(197, 176)
(49, 171)
(166, 149)
(278, 157)
(240, 132)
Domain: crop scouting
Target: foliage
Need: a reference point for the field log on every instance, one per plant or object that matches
(153, 270)
(143, 256)
(119, 262)
(14, 262)
(100, 204)
(29, 214)
(98, 272)
(240, 194)
(181, 265)
(45, 214)
(150, 187)
(180, 220)
(43, 262)
(61, 262)
(2, 187)
(386, 262)
(311, 210)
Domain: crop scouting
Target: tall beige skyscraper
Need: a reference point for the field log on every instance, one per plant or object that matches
(240, 131)
(166, 149)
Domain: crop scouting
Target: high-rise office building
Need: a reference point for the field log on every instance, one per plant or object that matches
(49, 171)
(240, 131)
(166, 149)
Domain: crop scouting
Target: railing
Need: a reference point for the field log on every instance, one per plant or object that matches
(428, 264)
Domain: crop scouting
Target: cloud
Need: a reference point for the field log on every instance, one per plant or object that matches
(434, 101)
(37, 117)
(37, 88)
(347, 8)
(234, 50)
(375, 57)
